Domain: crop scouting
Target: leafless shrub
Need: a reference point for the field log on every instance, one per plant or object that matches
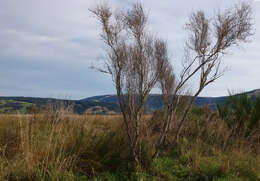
(209, 39)
(135, 60)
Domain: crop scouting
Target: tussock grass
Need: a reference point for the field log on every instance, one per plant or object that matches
(58, 145)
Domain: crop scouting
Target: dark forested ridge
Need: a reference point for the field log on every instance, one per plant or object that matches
(104, 104)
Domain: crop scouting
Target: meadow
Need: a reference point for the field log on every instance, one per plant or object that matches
(59, 145)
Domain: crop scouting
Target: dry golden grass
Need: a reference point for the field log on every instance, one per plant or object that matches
(58, 145)
(34, 143)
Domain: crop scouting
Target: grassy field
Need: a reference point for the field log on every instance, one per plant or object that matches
(57, 145)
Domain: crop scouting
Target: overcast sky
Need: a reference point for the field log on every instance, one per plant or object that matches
(47, 46)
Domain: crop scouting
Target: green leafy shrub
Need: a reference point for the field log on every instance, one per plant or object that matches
(209, 168)
(241, 114)
(170, 168)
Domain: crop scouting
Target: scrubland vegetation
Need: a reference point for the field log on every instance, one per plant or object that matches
(58, 145)
(179, 142)
(138, 61)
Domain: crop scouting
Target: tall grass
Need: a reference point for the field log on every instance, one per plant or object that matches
(57, 145)
(53, 144)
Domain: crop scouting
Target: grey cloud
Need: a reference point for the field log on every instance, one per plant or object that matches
(47, 46)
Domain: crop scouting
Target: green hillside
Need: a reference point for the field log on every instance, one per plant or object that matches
(13, 106)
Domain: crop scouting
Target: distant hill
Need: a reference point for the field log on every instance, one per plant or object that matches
(154, 101)
(21, 105)
(104, 104)
(254, 93)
